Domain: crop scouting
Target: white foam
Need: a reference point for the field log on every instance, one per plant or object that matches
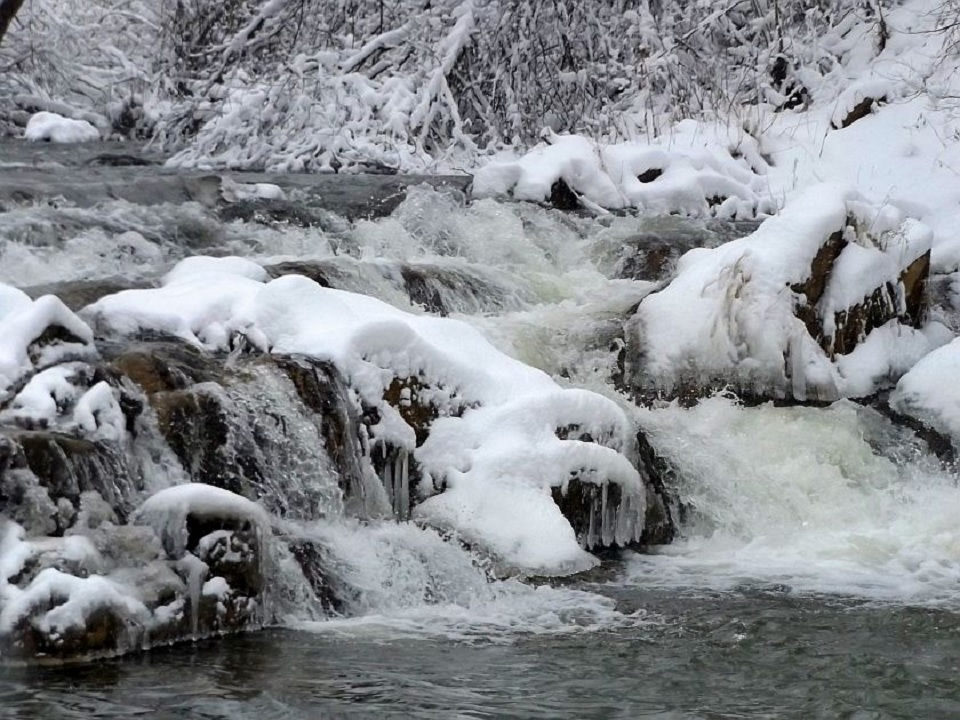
(406, 582)
(798, 496)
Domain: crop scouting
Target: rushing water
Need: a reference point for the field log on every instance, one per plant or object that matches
(818, 574)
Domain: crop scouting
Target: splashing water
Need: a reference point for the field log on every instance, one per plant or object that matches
(820, 500)
(400, 581)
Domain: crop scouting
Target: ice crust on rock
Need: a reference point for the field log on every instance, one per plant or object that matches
(166, 511)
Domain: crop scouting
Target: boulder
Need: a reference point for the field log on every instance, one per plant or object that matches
(781, 314)
(43, 475)
(191, 567)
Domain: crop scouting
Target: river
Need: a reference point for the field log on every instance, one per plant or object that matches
(817, 570)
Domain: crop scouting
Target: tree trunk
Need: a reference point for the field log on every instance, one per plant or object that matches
(8, 11)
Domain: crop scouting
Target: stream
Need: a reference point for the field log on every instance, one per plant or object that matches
(818, 569)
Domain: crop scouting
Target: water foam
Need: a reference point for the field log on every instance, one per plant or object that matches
(821, 500)
(401, 581)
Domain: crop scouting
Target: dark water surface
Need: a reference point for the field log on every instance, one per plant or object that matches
(731, 655)
(89, 173)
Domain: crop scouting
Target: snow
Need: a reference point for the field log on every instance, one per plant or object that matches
(886, 354)
(42, 397)
(217, 587)
(504, 443)
(699, 170)
(166, 511)
(56, 128)
(22, 321)
(98, 413)
(498, 465)
(930, 392)
(232, 191)
(203, 266)
(879, 90)
(730, 312)
(74, 598)
(84, 596)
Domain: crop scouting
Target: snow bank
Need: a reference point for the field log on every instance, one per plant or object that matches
(56, 128)
(930, 392)
(697, 170)
(501, 450)
(734, 313)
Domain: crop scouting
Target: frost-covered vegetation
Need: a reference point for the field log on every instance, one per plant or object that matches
(420, 84)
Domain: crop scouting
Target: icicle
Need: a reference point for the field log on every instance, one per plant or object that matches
(798, 376)
(196, 570)
(404, 485)
(606, 529)
(591, 538)
(388, 482)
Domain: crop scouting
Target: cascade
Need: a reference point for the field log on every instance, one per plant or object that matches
(336, 459)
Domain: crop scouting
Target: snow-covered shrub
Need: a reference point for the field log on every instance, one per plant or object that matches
(76, 57)
(321, 84)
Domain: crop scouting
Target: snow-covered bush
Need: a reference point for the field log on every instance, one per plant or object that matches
(85, 60)
(320, 84)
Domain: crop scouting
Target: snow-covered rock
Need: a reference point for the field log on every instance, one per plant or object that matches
(494, 424)
(170, 512)
(784, 310)
(698, 170)
(232, 191)
(80, 597)
(59, 129)
(930, 392)
(37, 334)
(858, 100)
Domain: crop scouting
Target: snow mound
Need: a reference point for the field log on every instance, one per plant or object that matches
(930, 392)
(59, 129)
(777, 311)
(517, 446)
(857, 99)
(697, 170)
(499, 440)
(232, 191)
